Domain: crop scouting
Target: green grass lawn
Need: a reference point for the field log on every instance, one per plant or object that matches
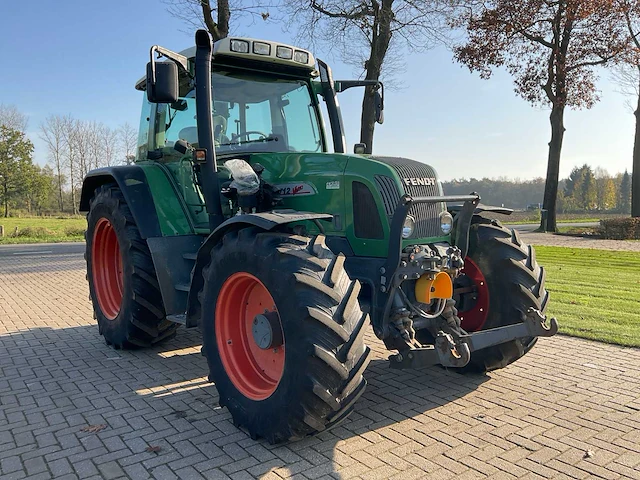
(519, 218)
(560, 220)
(43, 229)
(595, 294)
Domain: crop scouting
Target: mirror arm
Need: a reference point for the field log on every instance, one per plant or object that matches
(180, 60)
(342, 85)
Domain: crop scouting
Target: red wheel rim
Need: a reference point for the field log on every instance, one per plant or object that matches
(255, 372)
(107, 268)
(474, 318)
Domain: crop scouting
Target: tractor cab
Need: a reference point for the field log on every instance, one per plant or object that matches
(261, 103)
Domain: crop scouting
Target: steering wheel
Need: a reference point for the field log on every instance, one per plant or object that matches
(252, 132)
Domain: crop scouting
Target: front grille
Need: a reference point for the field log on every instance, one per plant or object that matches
(366, 221)
(427, 216)
(389, 192)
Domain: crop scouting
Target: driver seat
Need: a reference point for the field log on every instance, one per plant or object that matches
(189, 135)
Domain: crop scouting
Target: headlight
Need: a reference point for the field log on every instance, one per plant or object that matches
(239, 46)
(408, 227)
(284, 52)
(301, 57)
(261, 48)
(446, 223)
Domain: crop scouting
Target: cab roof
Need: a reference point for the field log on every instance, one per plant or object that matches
(255, 50)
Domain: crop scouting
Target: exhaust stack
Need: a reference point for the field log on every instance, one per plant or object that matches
(209, 168)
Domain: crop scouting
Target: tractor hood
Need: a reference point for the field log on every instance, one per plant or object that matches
(361, 193)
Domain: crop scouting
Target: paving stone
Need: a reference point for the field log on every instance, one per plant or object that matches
(57, 376)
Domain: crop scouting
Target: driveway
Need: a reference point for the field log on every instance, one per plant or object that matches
(71, 407)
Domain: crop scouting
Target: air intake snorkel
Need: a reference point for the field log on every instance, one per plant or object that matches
(209, 169)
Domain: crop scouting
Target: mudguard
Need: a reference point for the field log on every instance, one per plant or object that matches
(266, 221)
(133, 184)
(483, 208)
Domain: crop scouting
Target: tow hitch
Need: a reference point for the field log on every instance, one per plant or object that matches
(450, 351)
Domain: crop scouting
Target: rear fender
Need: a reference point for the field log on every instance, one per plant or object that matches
(134, 186)
(266, 221)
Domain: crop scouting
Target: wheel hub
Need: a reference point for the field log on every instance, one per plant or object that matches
(249, 336)
(472, 297)
(266, 330)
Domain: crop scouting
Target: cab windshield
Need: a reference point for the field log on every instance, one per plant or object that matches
(251, 113)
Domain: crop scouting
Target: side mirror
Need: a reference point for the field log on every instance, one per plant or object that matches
(162, 82)
(379, 104)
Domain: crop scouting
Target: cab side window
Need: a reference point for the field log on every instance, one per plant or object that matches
(143, 131)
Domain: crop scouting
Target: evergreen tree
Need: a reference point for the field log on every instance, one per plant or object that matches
(624, 198)
(589, 194)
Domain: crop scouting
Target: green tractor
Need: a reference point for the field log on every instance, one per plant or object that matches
(236, 218)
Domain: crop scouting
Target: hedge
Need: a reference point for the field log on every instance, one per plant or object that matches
(621, 228)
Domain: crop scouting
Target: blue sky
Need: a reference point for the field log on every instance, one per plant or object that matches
(83, 58)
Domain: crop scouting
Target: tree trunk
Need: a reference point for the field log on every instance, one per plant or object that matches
(381, 37)
(635, 174)
(368, 119)
(73, 199)
(60, 201)
(6, 200)
(73, 184)
(553, 168)
(220, 28)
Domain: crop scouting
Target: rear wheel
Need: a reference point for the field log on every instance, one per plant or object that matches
(501, 280)
(283, 333)
(122, 280)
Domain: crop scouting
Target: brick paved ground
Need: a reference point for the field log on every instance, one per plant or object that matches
(538, 418)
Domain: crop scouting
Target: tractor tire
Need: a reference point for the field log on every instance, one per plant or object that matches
(122, 280)
(308, 373)
(508, 280)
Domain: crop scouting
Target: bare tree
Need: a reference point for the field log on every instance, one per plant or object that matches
(13, 118)
(82, 148)
(94, 144)
(364, 32)
(550, 47)
(128, 142)
(52, 132)
(69, 132)
(216, 18)
(627, 74)
(109, 138)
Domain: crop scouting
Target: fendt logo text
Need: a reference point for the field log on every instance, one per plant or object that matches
(425, 181)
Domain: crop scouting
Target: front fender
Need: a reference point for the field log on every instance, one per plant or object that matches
(266, 221)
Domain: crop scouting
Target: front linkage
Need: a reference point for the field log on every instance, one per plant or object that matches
(454, 349)
(396, 323)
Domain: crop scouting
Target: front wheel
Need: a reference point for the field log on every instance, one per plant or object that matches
(283, 333)
(501, 280)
